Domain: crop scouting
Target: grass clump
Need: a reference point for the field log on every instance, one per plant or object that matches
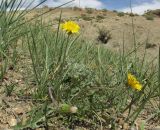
(103, 36)
(11, 30)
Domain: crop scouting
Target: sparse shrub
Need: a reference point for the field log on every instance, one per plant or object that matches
(136, 14)
(89, 10)
(46, 8)
(103, 35)
(153, 12)
(104, 10)
(86, 18)
(131, 14)
(157, 12)
(75, 8)
(100, 17)
(149, 17)
(120, 14)
(50, 9)
(150, 45)
(115, 11)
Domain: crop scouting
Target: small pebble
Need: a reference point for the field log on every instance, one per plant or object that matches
(12, 122)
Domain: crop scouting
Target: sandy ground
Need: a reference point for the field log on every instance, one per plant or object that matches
(121, 28)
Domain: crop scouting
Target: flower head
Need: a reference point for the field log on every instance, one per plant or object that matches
(133, 82)
(70, 27)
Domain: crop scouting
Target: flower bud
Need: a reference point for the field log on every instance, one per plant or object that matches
(73, 109)
(65, 108)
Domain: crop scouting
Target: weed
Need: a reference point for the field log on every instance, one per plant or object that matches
(120, 14)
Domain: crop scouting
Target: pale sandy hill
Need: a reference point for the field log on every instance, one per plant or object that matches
(144, 29)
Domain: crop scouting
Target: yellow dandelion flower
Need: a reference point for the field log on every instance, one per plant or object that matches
(133, 82)
(70, 27)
